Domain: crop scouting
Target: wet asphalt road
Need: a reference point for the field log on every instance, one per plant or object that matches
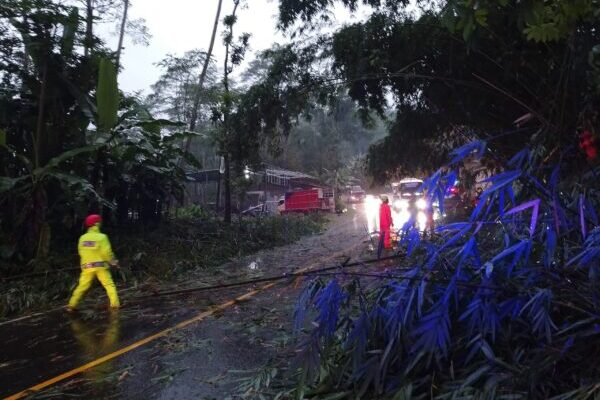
(208, 359)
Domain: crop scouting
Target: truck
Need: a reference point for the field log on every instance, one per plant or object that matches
(307, 200)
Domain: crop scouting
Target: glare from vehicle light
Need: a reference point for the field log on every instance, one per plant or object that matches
(370, 199)
(422, 220)
(400, 204)
(372, 204)
(403, 217)
(421, 204)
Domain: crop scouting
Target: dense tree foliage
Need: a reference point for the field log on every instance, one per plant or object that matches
(70, 146)
(267, 111)
(477, 67)
(173, 94)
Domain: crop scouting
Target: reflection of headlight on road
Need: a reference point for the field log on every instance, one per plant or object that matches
(421, 204)
(401, 204)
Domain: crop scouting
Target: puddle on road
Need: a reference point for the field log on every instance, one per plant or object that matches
(96, 341)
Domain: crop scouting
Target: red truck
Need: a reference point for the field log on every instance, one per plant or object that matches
(309, 200)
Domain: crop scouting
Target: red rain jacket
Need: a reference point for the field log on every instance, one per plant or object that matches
(385, 217)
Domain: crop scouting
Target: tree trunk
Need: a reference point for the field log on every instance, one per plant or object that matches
(122, 200)
(26, 57)
(122, 32)
(89, 30)
(40, 118)
(227, 184)
(226, 109)
(194, 116)
(218, 199)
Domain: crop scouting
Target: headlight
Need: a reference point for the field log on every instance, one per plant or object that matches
(421, 204)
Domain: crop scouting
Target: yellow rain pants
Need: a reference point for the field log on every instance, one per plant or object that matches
(87, 278)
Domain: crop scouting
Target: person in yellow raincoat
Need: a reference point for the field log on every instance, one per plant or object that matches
(96, 258)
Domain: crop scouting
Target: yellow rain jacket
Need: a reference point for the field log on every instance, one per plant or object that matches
(96, 254)
(94, 247)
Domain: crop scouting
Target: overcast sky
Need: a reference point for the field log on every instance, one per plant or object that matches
(181, 25)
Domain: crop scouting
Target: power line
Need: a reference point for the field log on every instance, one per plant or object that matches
(274, 278)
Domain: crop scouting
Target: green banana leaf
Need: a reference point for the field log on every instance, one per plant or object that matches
(107, 96)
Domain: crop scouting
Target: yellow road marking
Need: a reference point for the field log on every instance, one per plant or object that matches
(162, 333)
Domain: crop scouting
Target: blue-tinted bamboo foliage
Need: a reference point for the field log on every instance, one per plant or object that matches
(503, 305)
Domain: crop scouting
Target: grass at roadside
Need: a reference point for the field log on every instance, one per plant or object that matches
(191, 242)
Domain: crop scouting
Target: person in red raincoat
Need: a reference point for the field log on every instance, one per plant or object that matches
(385, 225)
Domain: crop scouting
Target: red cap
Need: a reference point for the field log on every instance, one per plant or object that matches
(92, 220)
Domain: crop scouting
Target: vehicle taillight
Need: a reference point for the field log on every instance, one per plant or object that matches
(454, 190)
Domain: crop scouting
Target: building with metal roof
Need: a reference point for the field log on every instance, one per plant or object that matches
(268, 184)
